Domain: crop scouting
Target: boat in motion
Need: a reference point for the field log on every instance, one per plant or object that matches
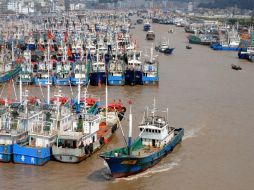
(156, 139)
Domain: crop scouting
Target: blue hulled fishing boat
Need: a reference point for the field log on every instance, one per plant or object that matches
(147, 26)
(43, 134)
(151, 70)
(10, 133)
(156, 140)
(62, 76)
(134, 71)
(97, 75)
(116, 73)
(163, 47)
(43, 76)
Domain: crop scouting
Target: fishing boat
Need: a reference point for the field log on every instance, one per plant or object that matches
(14, 124)
(79, 71)
(97, 75)
(116, 72)
(10, 73)
(11, 133)
(134, 71)
(247, 53)
(88, 134)
(42, 135)
(62, 74)
(27, 70)
(163, 47)
(194, 39)
(229, 41)
(151, 70)
(43, 74)
(146, 26)
(139, 21)
(150, 35)
(156, 139)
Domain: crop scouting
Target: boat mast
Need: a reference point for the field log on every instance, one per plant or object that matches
(48, 84)
(130, 131)
(151, 58)
(79, 87)
(12, 51)
(106, 100)
(79, 82)
(153, 112)
(20, 89)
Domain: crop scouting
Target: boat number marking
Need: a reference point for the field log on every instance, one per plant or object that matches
(23, 158)
(1, 156)
(32, 160)
(131, 162)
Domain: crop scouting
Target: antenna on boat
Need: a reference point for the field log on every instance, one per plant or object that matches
(12, 51)
(130, 130)
(106, 99)
(167, 115)
(151, 58)
(20, 89)
(154, 108)
(79, 87)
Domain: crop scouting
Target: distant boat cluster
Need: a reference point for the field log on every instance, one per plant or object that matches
(63, 50)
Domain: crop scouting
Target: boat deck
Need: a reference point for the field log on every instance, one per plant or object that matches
(145, 151)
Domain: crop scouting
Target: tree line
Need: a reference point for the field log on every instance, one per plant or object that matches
(222, 4)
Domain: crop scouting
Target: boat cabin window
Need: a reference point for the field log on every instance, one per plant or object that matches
(67, 143)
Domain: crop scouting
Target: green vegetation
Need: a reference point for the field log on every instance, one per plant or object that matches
(222, 4)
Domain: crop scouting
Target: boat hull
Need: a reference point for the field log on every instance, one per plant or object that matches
(62, 82)
(116, 80)
(31, 155)
(75, 81)
(97, 78)
(42, 82)
(219, 47)
(67, 158)
(67, 155)
(133, 77)
(129, 165)
(150, 80)
(243, 55)
(6, 153)
(10, 74)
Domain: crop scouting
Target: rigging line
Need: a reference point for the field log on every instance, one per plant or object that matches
(41, 91)
(15, 94)
(71, 88)
(2, 90)
(122, 131)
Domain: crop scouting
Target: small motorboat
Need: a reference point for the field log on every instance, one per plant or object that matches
(188, 47)
(171, 31)
(236, 67)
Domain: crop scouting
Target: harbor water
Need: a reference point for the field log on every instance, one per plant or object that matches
(212, 102)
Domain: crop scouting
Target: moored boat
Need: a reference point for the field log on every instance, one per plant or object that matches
(134, 71)
(116, 73)
(151, 70)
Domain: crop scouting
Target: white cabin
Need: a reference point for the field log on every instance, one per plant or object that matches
(155, 132)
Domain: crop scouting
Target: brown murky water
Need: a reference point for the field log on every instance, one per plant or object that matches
(205, 96)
